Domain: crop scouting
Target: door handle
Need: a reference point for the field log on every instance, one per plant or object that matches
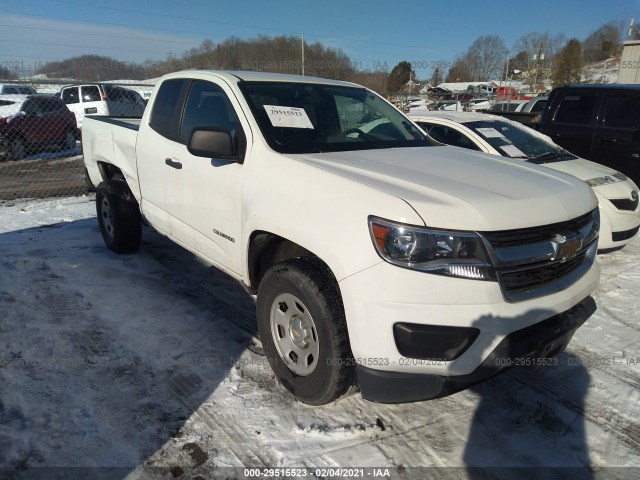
(607, 140)
(173, 163)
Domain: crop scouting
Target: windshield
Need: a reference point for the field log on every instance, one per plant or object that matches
(310, 118)
(518, 142)
(9, 108)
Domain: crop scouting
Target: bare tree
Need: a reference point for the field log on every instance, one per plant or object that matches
(485, 57)
(482, 61)
(603, 43)
(459, 71)
(540, 48)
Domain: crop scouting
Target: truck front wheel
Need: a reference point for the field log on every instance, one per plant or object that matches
(302, 327)
(118, 216)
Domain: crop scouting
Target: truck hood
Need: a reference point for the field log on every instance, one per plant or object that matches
(459, 189)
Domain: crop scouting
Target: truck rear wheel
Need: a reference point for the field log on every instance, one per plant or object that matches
(302, 326)
(118, 216)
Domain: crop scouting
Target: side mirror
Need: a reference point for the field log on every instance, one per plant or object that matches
(212, 143)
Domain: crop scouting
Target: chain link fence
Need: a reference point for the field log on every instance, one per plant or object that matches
(40, 124)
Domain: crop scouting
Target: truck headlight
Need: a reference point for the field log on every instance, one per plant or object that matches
(452, 253)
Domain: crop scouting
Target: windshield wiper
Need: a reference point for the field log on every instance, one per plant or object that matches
(547, 157)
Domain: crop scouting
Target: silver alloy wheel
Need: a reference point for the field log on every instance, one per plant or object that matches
(294, 334)
(107, 217)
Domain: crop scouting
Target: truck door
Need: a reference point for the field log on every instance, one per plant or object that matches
(157, 140)
(617, 140)
(204, 194)
(571, 120)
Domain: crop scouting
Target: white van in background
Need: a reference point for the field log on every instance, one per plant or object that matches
(102, 99)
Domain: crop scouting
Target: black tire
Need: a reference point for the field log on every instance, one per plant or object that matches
(313, 284)
(118, 216)
(68, 140)
(17, 148)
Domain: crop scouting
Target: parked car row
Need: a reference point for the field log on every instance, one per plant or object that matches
(617, 194)
(16, 89)
(31, 121)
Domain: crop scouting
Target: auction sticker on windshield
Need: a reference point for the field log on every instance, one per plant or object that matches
(512, 151)
(490, 133)
(289, 117)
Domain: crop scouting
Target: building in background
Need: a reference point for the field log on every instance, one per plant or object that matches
(630, 62)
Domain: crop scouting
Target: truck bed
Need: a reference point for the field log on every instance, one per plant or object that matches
(132, 123)
(111, 140)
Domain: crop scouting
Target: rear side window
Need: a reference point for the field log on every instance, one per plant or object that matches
(165, 115)
(10, 90)
(539, 106)
(90, 93)
(32, 106)
(623, 112)
(576, 109)
(50, 104)
(70, 95)
(448, 135)
(115, 94)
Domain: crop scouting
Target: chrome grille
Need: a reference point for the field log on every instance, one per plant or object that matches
(533, 262)
(521, 236)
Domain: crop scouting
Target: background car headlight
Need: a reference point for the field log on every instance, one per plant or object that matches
(606, 180)
(457, 254)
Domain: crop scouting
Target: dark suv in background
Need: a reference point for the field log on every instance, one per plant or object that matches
(597, 122)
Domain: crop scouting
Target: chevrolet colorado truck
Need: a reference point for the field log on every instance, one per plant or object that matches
(379, 256)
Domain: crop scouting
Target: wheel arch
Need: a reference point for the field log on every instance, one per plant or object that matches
(266, 249)
(108, 171)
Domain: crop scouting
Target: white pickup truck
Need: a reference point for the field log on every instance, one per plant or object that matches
(378, 255)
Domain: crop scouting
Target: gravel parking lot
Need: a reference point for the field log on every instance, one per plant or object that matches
(42, 175)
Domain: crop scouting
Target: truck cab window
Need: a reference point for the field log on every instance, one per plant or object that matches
(207, 107)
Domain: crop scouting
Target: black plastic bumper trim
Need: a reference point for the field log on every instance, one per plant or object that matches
(433, 342)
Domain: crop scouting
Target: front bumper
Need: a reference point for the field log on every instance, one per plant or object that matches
(541, 340)
(617, 227)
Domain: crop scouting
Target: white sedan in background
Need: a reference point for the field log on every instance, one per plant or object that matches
(617, 195)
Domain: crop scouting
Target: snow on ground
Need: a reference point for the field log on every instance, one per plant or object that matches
(150, 360)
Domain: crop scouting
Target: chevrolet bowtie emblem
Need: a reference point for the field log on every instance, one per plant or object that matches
(565, 248)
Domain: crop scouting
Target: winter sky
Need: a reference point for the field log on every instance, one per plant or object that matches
(372, 33)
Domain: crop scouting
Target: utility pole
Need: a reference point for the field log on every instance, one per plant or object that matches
(303, 54)
(539, 56)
